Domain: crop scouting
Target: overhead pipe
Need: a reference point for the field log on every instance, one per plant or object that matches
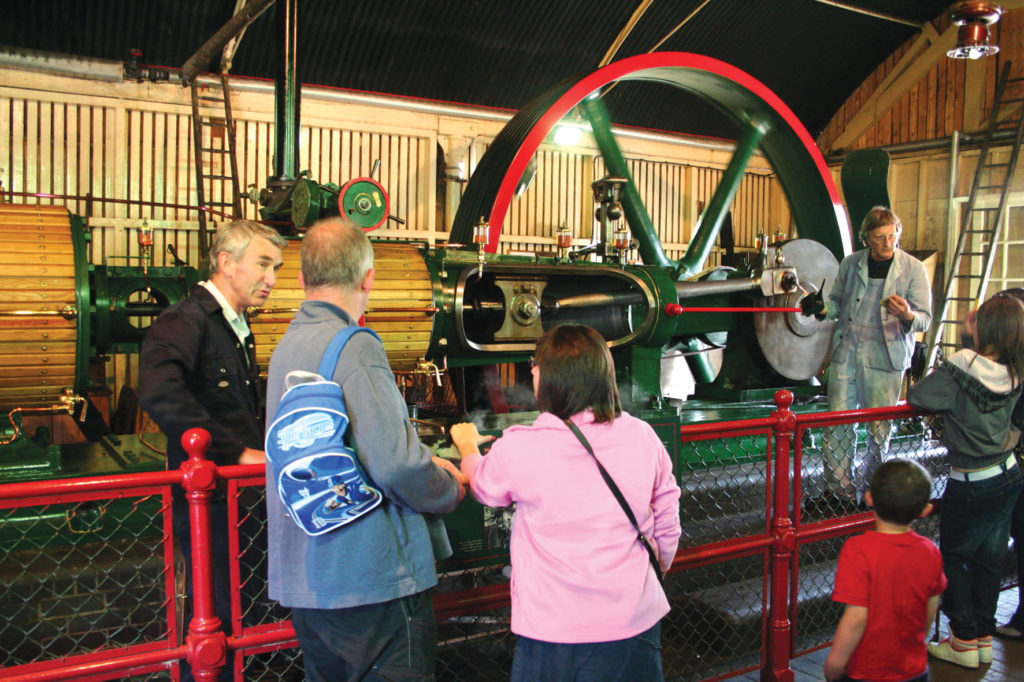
(287, 91)
(215, 45)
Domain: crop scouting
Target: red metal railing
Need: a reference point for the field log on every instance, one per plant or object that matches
(778, 543)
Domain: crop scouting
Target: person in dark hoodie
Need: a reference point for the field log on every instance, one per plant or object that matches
(977, 391)
(1013, 628)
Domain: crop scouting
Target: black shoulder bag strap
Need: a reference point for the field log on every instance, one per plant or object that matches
(621, 500)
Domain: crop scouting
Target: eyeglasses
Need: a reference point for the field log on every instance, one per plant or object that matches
(883, 238)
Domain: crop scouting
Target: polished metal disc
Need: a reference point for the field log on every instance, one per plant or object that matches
(795, 345)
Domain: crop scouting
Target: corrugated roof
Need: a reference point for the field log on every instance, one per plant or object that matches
(503, 53)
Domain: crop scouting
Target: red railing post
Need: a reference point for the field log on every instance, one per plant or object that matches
(777, 648)
(206, 642)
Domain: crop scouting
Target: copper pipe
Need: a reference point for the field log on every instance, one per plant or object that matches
(57, 409)
(131, 202)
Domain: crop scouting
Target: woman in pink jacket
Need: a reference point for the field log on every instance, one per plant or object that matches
(586, 597)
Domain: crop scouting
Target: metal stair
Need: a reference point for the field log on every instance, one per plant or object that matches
(213, 150)
(970, 263)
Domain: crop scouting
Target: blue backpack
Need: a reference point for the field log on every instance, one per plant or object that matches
(319, 478)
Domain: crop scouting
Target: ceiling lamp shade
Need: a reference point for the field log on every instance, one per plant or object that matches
(974, 18)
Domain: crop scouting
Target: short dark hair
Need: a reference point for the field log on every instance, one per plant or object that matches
(900, 490)
(576, 373)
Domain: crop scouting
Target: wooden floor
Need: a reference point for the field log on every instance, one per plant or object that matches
(1007, 657)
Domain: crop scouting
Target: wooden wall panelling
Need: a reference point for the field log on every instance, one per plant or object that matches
(16, 140)
(44, 151)
(109, 164)
(254, 158)
(933, 204)
(6, 144)
(139, 144)
(953, 95)
(555, 198)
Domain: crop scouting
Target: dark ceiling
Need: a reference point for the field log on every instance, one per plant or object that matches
(502, 53)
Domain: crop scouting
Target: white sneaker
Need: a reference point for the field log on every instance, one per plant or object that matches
(985, 650)
(967, 656)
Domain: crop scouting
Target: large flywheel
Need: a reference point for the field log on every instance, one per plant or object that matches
(803, 173)
(765, 123)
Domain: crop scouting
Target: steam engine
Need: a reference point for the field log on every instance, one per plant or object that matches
(448, 310)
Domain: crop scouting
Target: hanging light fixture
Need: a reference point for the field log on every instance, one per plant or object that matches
(974, 18)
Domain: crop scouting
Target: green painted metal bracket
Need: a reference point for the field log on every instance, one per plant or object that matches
(710, 223)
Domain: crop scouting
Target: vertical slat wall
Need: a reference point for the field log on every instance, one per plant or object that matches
(52, 147)
(339, 154)
(142, 159)
(560, 195)
(674, 194)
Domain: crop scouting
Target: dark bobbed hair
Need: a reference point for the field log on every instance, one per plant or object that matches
(900, 490)
(1000, 332)
(877, 217)
(576, 373)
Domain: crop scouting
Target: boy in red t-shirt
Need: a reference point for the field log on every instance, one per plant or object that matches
(890, 579)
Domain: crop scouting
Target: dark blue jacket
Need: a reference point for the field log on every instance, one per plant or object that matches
(193, 373)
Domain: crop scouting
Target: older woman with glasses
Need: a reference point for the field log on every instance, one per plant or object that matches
(586, 595)
(880, 299)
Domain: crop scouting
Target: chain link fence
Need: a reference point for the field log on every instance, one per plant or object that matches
(826, 454)
(252, 609)
(717, 612)
(83, 575)
(95, 574)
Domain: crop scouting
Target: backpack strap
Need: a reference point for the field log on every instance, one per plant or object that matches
(333, 352)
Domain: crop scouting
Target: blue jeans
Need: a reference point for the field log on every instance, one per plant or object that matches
(974, 530)
(1017, 531)
(395, 640)
(637, 659)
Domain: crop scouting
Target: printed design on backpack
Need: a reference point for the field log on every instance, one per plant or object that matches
(318, 477)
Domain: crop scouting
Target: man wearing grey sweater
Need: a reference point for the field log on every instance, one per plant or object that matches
(359, 594)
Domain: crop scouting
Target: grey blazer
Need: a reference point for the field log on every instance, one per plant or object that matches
(906, 278)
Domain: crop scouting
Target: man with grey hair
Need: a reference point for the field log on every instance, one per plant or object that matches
(359, 594)
(880, 299)
(198, 369)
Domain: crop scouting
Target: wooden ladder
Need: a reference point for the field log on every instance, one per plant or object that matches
(213, 150)
(970, 264)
